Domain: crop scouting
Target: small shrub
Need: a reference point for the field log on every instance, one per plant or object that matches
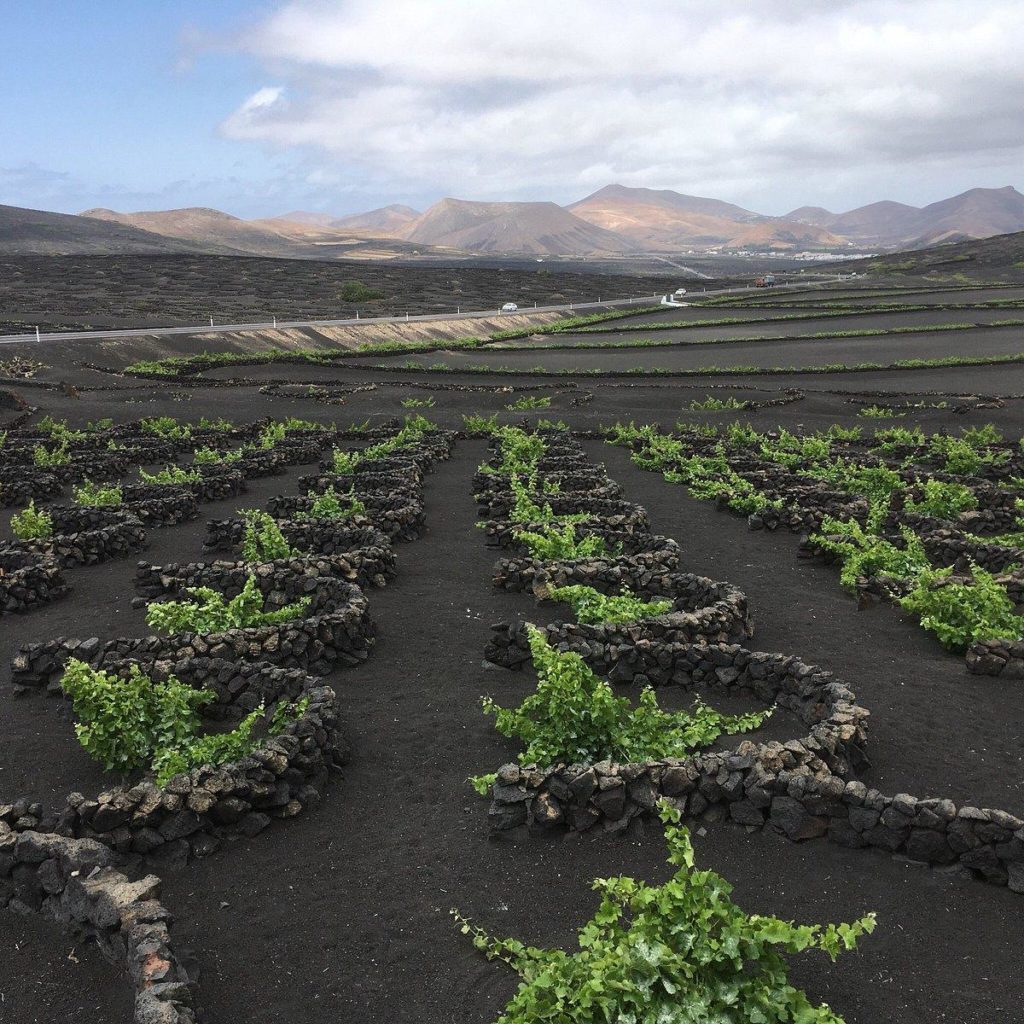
(942, 500)
(530, 402)
(123, 723)
(560, 542)
(32, 523)
(170, 475)
(959, 612)
(478, 424)
(166, 427)
(343, 462)
(56, 456)
(213, 613)
(880, 412)
(713, 404)
(212, 457)
(418, 403)
(679, 953)
(357, 291)
(331, 505)
(573, 717)
(593, 608)
(93, 495)
(263, 540)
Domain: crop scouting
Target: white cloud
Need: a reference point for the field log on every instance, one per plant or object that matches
(486, 98)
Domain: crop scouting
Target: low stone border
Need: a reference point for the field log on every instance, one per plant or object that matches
(74, 882)
(28, 580)
(576, 479)
(337, 633)
(86, 536)
(645, 555)
(497, 504)
(500, 533)
(196, 810)
(218, 483)
(1003, 658)
(22, 484)
(361, 484)
(703, 611)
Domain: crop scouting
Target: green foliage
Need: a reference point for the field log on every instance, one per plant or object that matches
(32, 523)
(58, 455)
(331, 505)
(418, 403)
(357, 291)
(124, 723)
(166, 427)
(711, 403)
(880, 412)
(942, 500)
(220, 424)
(742, 435)
(171, 475)
(213, 457)
(480, 424)
(863, 553)
(894, 438)
(959, 611)
(560, 542)
(679, 953)
(270, 436)
(530, 402)
(97, 495)
(344, 462)
(106, 423)
(593, 608)
(294, 425)
(263, 540)
(213, 613)
(519, 451)
(840, 433)
(224, 747)
(573, 717)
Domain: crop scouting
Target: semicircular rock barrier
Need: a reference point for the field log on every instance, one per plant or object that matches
(577, 479)
(337, 633)
(21, 484)
(644, 556)
(28, 580)
(996, 657)
(498, 504)
(194, 811)
(310, 536)
(703, 611)
(626, 519)
(361, 484)
(86, 536)
(75, 883)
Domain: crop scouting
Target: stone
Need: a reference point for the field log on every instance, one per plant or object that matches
(791, 818)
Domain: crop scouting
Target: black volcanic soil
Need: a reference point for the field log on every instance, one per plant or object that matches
(341, 915)
(99, 292)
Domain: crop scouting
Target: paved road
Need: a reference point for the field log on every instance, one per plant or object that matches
(159, 332)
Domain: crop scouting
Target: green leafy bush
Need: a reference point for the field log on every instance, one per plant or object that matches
(679, 953)
(573, 717)
(479, 424)
(224, 747)
(220, 424)
(593, 608)
(880, 412)
(560, 542)
(58, 455)
(358, 291)
(713, 404)
(418, 403)
(170, 475)
(331, 505)
(214, 613)
(213, 457)
(32, 523)
(124, 723)
(863, 553)
(166, 427)
(942, 500)
(530, 402)
(343, 462)
(959, 612)
(97, 495)
(263, 540)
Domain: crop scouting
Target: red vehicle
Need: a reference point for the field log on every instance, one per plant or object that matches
(768, 281)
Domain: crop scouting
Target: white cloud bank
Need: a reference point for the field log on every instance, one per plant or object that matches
(519, 98)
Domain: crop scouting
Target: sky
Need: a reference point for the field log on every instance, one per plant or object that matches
(259, 107)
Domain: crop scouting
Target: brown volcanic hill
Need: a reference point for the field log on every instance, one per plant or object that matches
(41, 233)
(390, 220)
(977, 213)
(532, 228)
(779, 233)
(206, 228)
(663, 219)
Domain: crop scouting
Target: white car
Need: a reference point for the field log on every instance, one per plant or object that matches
(509, 307)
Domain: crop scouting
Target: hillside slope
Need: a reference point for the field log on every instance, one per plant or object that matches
(531, 228)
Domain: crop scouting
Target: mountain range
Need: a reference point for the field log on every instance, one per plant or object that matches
(615, 220)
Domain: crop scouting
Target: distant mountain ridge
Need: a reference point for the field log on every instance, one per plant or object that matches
(614, 220)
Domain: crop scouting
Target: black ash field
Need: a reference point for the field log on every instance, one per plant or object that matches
(340, 913)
